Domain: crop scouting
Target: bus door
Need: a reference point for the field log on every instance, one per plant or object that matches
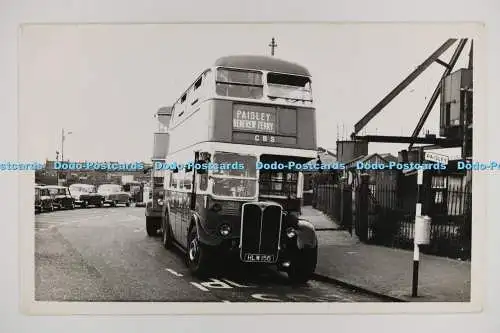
(189, 189)
(174, 202)
(184, 212)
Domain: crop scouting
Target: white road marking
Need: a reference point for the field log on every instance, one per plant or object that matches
(173, 272)
(266, 297)
(199, 286)
(238, 285)
(216, 284)
(345, 299)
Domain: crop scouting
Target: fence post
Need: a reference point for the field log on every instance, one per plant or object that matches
(364, 205)
(341, 213)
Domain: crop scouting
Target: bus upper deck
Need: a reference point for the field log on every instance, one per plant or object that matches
(251, 100)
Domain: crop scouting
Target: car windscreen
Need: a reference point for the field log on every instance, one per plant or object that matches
(109, 188)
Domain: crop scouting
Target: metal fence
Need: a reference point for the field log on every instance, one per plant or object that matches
(327, 198)
(384, 217)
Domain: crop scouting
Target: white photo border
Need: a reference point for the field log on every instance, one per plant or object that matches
(476, 31)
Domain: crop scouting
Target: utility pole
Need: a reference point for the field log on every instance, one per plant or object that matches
(273, 45)
(63, 137)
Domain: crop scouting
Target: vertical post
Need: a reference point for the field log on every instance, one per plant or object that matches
(364, 205)
(193, 185)
(418, 214)
(62, 145)
(342, 213)
(273, 45)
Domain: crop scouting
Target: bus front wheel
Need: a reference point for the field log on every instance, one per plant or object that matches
(151, 226)
(303, 265)
(198, 254)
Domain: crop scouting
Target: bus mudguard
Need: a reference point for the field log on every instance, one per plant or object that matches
(204, 236)
(306, 235)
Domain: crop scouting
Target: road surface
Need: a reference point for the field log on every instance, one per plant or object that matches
(104, 254)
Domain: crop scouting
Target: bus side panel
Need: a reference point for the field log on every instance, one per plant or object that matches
(221, 128)
(191, 130)
(306, 125)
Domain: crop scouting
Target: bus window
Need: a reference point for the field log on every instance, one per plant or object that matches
(289, 86)
(187, 180)
(203, 181)
(173, 180)
(236, 188)
(278, 183)
(198, 83)
(239, 83)
(247, 164)
(232, 181)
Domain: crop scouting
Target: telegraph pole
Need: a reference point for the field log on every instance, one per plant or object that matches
(273, 45)
(63, 137)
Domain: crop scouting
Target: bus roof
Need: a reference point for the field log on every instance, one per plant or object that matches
(265, 63)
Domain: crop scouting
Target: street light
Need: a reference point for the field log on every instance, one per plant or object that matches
(63, 137)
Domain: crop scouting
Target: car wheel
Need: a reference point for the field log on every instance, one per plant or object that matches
(127, 204)
(167, 239)
(152, 226)
(302, 265)
(198, 255)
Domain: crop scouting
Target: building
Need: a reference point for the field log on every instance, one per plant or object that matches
(52, 176)
(385, 177)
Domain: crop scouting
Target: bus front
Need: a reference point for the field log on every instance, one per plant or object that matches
(263, 119)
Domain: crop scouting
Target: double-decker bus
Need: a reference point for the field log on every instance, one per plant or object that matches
(239, 122)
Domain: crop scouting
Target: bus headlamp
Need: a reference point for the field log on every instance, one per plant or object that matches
(291, 233)
(224, 229)
(216, 207)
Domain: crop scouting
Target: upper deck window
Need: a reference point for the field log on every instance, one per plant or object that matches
(239, 83)
(289, 86)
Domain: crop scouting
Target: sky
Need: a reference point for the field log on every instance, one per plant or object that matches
(105, 82)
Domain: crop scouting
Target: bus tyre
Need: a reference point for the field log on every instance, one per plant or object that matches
(198, 256)
(166, 234)
(151, 226)
(302, 265)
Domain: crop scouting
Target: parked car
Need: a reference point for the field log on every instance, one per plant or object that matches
(114, 194)
(86, 195)
(135, 189)
(43, 200)
(61, 197)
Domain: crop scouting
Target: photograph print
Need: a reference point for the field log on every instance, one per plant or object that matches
(257, 164)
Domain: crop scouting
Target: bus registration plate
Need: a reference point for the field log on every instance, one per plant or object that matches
(252, 257)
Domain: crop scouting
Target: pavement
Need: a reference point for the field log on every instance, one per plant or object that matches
(385, 271)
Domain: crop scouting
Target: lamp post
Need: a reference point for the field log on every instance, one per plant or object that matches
(63, 137)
